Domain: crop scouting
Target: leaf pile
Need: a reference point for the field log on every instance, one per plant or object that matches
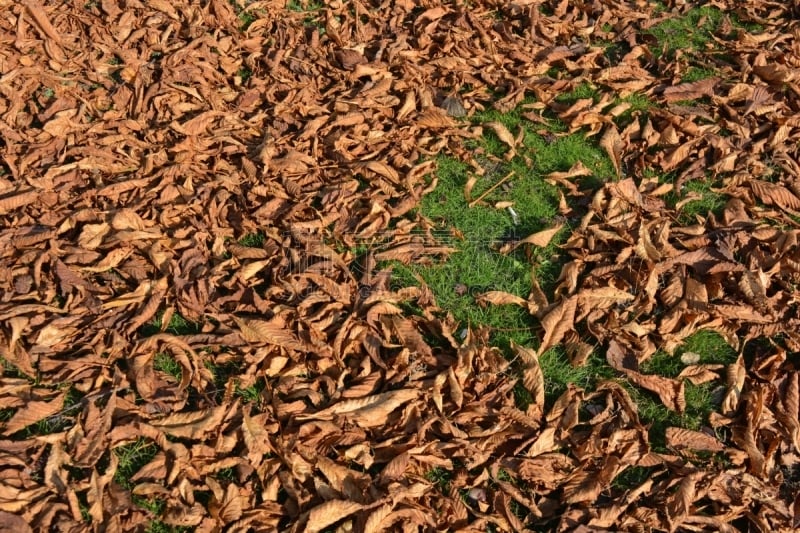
(188, 337)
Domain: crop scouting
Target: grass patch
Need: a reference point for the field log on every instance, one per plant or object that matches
(477, 266)
(59, 421)
(300, 6)
(164, 362)
(441, 478)
(639, 104)
(177, 325)
(700, 399)
(226, 379)
(699, 405)
(710, 346)
(698, 73)
(310, 7)
(582, 91)
(157, 526)
(55, 423)
(246, 16)
(132, 457)
(251, 394)
(8, 369)
(559, 373)
(631, 477)
(691, 31)
(706, 201)
(253, 240)
(244, 74)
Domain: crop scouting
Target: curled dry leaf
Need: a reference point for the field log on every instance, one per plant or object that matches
(557, 323)
(669, 391)
(532, 376)
(504, 135)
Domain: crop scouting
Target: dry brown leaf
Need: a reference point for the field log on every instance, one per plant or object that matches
(192, 425)
(612, 143)
(691, 90)
(32, 412)
(532, 375)
(12, 523)
(504, 135)
(542, 238)
(681, 438)
(775, 194)
(141, 140)
(735, 382)
(367, 408)
(92, 235)
(434, 118)
(264, 331)
(670, 391)
(329, 513)
(500, 298)
(557, 323)
(699, 374)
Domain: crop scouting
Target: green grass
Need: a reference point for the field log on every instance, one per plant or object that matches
(559, 372)
(226, 474)
(8, 369)
(251, 394)
(691, 31)
(477, 266)
(253, 240)
(244, 74)
(582, 91)
(157, 526)
(698, 73)
(301, 6)
(708, 201)
(631, 477)
(164, 362)
(700, 400)
(229, 371)
(310, 7)
(56, 423)
(59, 421)
(710, 346)
(441, 478)
(639, 104)
(132, 457)
(177, 325)
(246, 16)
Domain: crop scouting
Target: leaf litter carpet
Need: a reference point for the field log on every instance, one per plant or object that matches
(142, 140)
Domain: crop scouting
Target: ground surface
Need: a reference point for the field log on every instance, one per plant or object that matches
(353, 266)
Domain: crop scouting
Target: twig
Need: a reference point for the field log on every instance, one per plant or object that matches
(485, 193)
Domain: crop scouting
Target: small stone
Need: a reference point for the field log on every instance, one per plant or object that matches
(477, 494)
(453, 106)
(690, 358)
